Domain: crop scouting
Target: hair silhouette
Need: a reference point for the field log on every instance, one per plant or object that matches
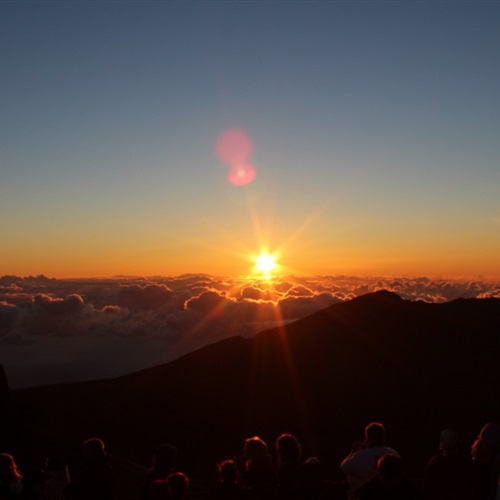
(375, 434)
(178, 484)
(288, 447)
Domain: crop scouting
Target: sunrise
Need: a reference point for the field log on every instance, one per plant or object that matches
(265, 264)
(248, 245)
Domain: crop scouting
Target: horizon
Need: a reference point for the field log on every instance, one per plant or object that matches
(254, 275)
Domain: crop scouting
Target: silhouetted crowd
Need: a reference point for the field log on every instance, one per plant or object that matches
(372, 471)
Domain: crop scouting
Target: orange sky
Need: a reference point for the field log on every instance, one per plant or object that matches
(371, 150)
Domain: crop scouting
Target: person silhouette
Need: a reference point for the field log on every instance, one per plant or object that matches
(312, 481)
(228, 485)
(361, 464)
(389, 483)
(486, 453)
(95, 480)
(450, 473)
(162, 464)
(11, 484)
(178, 484)
(174, 487)
(258, 473)
(288, 467)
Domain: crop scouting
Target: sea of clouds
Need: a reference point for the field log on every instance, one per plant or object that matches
(61, 330)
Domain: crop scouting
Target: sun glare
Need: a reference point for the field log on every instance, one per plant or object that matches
(265, 264)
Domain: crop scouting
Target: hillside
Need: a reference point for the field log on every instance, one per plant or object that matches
(415, 366)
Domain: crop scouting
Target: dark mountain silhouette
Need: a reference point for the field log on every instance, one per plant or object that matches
(415, 366)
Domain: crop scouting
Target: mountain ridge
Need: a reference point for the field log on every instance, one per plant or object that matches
(415, 366)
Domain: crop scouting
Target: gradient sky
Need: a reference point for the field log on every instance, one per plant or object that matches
(375, 126)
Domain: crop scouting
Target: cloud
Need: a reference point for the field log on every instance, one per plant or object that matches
(490, 294)
(259, 294)
(8, 317)
(52, 316)
(207, 303)
(300, 291)
(294, 306)
(251, 292)
(72, 304)
(146, 321)
(135, 296)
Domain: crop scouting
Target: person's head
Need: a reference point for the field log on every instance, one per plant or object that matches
(374, 434)
(448, 441)
(8, 468)
(94, 449)
(228, 472)
(164, 457)
(255, 450)
(490, 436)
(177, 484)
(288, 447)
(390, 470)
(312, 476)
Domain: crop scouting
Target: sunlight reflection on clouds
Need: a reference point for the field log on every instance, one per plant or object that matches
(170, 316)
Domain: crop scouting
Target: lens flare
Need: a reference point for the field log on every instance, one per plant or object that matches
(241, 175)
(234, 148)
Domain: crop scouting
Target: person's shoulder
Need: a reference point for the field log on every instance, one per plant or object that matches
(353, 457)
(387, 450)
(358, 459)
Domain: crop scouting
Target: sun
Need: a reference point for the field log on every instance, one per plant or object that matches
(265, 264)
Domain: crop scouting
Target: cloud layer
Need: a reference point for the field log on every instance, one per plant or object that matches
(61, 330)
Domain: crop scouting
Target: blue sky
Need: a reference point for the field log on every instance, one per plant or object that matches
(375, 127)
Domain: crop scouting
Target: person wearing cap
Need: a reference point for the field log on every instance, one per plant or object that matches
(450, 473)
